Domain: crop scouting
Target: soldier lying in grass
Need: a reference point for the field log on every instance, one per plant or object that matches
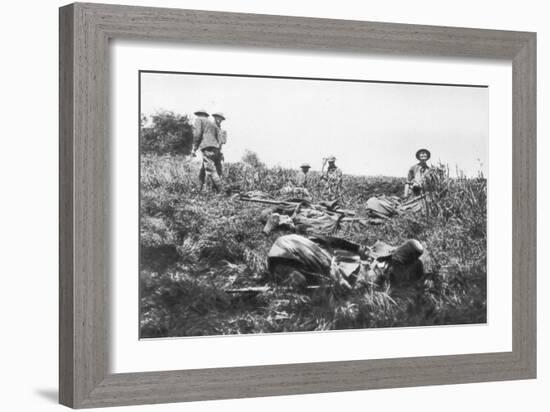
(380, 208)
(325, 218)
(306, 221)
(301, 262)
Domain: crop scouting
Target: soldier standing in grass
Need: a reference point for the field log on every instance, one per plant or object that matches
(331, 179)
(303, 178)
(222, 138)
(417, 173)
(206, 138)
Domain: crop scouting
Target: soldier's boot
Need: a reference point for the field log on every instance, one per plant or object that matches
(202, 178)
(217, 184)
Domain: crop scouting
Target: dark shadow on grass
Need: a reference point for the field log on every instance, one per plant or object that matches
(51, 395)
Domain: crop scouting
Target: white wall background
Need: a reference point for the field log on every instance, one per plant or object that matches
(28, 294)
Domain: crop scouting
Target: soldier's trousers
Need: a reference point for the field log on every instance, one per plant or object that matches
(211, 157)
(219, 165)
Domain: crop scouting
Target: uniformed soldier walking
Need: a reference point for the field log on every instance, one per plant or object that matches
(331, 179)
(222, 138)
(303, 178)
(206, 138)
(417, 174)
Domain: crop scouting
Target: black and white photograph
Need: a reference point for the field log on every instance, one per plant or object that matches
(276, 204)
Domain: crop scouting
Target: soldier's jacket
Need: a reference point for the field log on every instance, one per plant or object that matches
(382, 207)
(302, 217)
(295, 191)
(205, 134)
(333, 175)
(307, 221)
(302, 179)
(325, 257)
(332, 183)
(417, 172)
(222, 136)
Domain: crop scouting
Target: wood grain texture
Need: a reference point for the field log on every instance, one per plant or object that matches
(85, 31)
(83, 344)
(66, 229)
(524, 225)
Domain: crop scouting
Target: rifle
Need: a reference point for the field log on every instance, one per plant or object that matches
(304, 203)
(256, 290)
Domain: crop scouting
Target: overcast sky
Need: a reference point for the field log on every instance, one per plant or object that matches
(371, 128)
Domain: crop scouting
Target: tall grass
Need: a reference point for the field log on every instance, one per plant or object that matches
(194, 246)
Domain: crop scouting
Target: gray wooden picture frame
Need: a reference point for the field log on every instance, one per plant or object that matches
(85, 31)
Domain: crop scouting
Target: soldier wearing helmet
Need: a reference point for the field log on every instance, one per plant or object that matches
(302, 179)
(331, 179)
(417, 173)
(206, 138)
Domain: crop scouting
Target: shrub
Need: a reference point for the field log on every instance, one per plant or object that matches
(166, 133)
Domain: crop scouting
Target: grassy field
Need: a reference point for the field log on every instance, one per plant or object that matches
(196, 245)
